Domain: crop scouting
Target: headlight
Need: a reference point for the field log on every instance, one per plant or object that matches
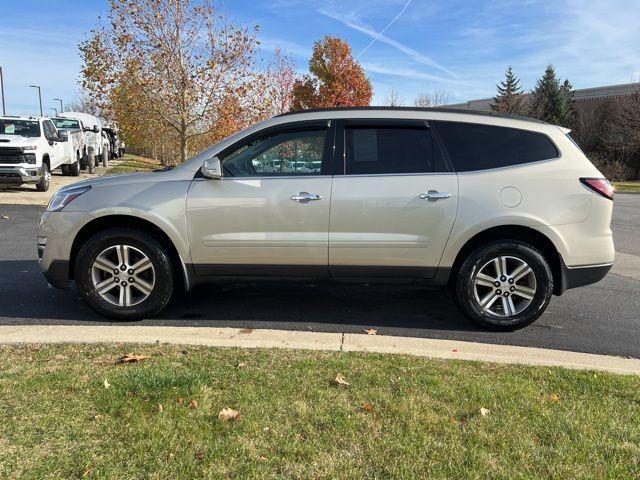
(30, 147)
(64, 197)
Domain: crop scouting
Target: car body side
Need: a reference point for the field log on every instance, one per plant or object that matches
(544, 197)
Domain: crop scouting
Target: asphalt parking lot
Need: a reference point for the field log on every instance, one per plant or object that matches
(603, 318)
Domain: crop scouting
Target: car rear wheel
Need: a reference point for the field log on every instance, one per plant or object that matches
(124, 274)
(504, 285)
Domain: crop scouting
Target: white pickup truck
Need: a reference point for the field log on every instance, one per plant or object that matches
(30, 148)
(75, 147)
(92, 128)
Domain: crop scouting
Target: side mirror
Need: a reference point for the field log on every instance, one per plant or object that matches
(211, 168)
(96, 129)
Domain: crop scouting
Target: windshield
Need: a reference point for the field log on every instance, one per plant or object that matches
(25, 128)
(66, 123)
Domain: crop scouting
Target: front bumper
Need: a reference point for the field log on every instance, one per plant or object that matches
(20, 175)
(56, 233)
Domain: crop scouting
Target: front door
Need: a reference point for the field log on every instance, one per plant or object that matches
(394, 200)
(269, 214)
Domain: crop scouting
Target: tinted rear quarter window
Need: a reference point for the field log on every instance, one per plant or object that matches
(390, 150)
(480, 147)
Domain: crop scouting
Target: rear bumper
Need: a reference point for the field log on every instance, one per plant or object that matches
(20, 175)
(574, 277)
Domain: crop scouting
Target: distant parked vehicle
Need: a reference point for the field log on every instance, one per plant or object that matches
(93, 138)
(30, 148)
(116, 145)
(504, 211)
(75, 147)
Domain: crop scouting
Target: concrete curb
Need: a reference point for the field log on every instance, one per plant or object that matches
(249, 338)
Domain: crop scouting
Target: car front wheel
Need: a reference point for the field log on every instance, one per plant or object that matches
(124, 274)
(504, 285)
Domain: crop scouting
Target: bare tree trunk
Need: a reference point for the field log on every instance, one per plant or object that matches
(183, 141)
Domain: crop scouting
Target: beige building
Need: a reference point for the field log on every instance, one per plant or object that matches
(584, 97)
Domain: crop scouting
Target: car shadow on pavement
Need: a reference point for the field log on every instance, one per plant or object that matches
(26, 298)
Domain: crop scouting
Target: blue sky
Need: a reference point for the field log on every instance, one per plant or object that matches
(457, 47)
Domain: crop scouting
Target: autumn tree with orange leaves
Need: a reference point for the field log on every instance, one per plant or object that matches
(181, 61)
(335, 78)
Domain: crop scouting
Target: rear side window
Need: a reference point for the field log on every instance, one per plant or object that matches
(480, 147)
(389, 150)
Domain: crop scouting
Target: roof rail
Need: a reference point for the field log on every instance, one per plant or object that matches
(417, 109)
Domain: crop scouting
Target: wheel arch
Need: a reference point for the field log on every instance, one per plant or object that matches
(515, 232)
(147, 227)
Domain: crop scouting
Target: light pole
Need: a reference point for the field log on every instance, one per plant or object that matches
(55, 111)
(61, 107)
(4, 110)
(39, 97)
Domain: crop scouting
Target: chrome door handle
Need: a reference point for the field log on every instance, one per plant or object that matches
(304, 197)
(434, 195)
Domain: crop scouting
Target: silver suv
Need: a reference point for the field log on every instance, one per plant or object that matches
(504, 211)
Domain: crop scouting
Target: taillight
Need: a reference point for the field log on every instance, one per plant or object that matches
(599, 185)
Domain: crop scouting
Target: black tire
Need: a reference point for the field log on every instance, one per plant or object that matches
(74, 170)
(162, 289)
(91, 162)
(465, 293)
(43, 183)
(65, 169)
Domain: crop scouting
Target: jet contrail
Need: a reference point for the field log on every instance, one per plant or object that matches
(384, 29)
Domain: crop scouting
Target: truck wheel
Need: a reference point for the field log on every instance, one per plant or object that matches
(91, 162)
(65, 169)
(124, 274)
(74, 170)
(105, 158)
(43, 183)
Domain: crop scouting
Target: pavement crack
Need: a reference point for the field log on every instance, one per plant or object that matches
(341, 341)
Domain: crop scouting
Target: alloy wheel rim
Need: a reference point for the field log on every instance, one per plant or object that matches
(504, 286)
(123, 275)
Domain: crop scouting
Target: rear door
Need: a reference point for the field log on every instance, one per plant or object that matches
(269, 214)
(393, 202)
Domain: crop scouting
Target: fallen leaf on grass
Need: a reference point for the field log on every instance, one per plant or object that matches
(180, 400)
(198, 455)
(484, 411)
(554, 397)
(462, 423)
(193, 403)
(372, 331)
(227, 414)
(242, 364)
(367, 407)
(160, 408)
(106, 383)
(86, 472)
(262, 458)
(339, 380)
(131, 358)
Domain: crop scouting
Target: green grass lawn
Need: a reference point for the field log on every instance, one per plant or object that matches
(134, 163)
(626, 186)
(400, 417)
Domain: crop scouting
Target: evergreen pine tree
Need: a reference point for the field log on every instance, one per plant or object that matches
(509, 98)
(552, 101)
